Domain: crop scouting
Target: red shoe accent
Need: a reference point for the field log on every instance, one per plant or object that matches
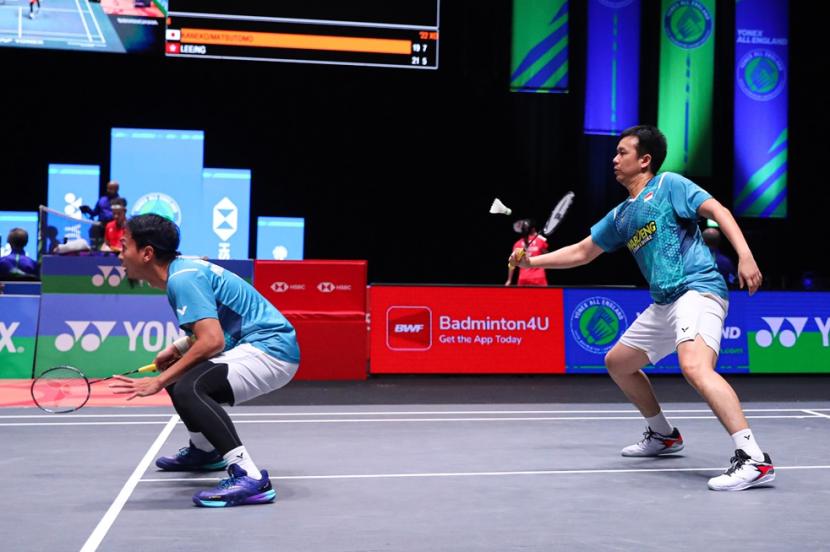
(764, 469)
(668, 443)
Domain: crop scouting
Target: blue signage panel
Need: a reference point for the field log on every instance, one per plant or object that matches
(227, 205)
(280, 238)
(595, 319)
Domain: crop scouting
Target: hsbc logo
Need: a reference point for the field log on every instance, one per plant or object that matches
(283, 287)
(408, 328)
(329, 287)
(6, 334)
(787, 330)
(112, 275)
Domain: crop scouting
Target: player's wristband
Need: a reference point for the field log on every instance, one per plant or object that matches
(182, 344)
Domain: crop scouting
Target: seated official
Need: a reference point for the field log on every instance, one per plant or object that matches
(17, 264)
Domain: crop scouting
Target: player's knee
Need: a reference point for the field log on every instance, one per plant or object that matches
(695, 369)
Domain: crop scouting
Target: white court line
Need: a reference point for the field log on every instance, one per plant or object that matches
(106, 522)
(813, 412)
(235, 414)
(418, 420)
(95, 20)
(83, 20)
(477, 474)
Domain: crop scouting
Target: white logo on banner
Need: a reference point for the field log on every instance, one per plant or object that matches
(225, 223)
(280, 253)
(6, 334)
(788, 337)
(107, 275)
(73, 205)
(89, 342)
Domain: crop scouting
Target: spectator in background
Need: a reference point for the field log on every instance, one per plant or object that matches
(115, 228)
(103, 209)
(535, 245)
(711, 236)
(17, 264)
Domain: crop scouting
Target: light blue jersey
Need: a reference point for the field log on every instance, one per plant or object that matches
(198, 289)
(660, 229)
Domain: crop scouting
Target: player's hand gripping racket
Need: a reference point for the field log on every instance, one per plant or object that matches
(65, 389)
(552, 223)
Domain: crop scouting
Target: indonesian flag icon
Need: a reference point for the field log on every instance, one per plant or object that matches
(648, 196)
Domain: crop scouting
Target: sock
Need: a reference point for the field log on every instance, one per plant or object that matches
(660, 424)
(745, 441)
(240, 457)
(199, 441)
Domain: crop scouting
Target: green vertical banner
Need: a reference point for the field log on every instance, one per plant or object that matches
(539, 61)
(687, 66)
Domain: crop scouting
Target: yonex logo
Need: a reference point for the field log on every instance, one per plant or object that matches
(89, 341)
(787, 337)
(109, 274)
(409, 328)
(6, 333)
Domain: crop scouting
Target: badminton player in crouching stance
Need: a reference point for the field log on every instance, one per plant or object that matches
(658, 224)
(238, 347)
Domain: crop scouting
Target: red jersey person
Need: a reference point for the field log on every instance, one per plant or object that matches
(534, 244)
(114, 230)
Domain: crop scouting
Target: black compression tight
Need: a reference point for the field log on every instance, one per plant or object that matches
(198, 396)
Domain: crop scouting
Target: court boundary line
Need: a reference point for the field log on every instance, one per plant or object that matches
(478, 474)
(103, 527)
(233, 413)
(415, 420)
(815, 413)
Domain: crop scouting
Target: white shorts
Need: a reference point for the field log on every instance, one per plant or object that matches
(252, 372)
(660, 328)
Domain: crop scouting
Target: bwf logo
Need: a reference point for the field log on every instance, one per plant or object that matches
(6, 334)
(788, 336)
(409, 328)
(109, 274)
(89, 341)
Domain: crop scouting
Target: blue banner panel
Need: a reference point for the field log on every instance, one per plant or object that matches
(612, 85)
(18, 335)
(280, 238)
(227, 204)
(595, 319)
(71, 186)
(26, 220)
(761, 98)
(160, 171)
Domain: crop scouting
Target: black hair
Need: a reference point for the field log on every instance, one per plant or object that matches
(649, 141)
(159, 232)
(18, 238)
(119, 201)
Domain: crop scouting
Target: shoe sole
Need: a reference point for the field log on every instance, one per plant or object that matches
(203, 468)
(262, 498)
(663, 453)
(746, 485)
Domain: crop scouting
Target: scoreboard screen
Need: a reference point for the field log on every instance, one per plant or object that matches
(356, 32)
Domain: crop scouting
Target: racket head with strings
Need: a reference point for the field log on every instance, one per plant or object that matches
(60, 390)
(553, 222)
(64, 389)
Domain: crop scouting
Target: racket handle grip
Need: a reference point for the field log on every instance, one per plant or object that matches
(518, 254)
(148, 368)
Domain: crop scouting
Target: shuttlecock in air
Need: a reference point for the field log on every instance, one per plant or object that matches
(499, 208)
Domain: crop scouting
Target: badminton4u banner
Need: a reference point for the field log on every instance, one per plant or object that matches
(452, 330)
(761, 98)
